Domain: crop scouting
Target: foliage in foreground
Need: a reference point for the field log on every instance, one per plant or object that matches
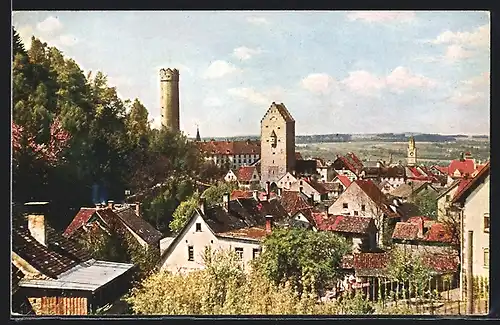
(307, 259)
(224, 287)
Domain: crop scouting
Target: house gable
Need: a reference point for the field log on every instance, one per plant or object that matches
(175, 257)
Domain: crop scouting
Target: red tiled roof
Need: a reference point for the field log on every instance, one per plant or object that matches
(438, 233)
(442, 169)
(293, 202)
(418, 219)
(345, 224)
(245, 173)
(357, 162)
(348, 164)
(344, 180)
(371, 260)
(248, 147)
(317, 186)
(405, 231)
(376, 195)
(247, 233)
(241, 194)
(466, 184)
(441, 263)
(464, 167)
(81, 218)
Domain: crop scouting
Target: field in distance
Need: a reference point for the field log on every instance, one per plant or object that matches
(428, 153)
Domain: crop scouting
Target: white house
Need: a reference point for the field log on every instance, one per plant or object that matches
(311, 188)
(231, 176)
(472, 203)
(286, 181)
(234, 225)
(444, 199)
(364, 198)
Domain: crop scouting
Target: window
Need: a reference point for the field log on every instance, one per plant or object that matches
(486, 222)
(239, 252)
(198, 226)
(355, 213)
(448, 198)
(486, 254)
(300, 182)
(363, 207)
(255, 176)
(190, 253)
(345, 205)
(255, 253)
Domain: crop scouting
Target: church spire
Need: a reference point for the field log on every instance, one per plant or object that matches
(198, 138)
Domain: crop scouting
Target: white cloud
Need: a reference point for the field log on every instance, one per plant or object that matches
(457, 52)
(26, 32)
(472, 91)
(50, 24)
(402, 78)
(155, 122)
(219, 68)
(477, 38)
(364, 83)
(250, 95)
(319, 83)
(212, 102)
(68, 40)
(381, 16)
(481, 81)
(258, 20)
(245, 53)
(466, 99)
(273, 94)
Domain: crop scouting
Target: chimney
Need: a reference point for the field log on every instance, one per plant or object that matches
(138, 209)
(202, 205)
(255, 195)
(421, 227)
(269, 220)
(37, 224)
(111, 204)
(225, 201)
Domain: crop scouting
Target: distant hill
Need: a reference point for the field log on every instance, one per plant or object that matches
(379, 137)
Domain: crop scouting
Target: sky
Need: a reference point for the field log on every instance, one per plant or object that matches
(335, 71)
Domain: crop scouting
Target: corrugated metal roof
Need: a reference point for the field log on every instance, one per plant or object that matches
(88, 276)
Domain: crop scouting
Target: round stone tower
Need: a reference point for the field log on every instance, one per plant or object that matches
(169, 90)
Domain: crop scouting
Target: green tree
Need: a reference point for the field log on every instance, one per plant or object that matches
(309, 260)
(222, 288)
(138, 127)
(427, 203)
(213, 195)
(183, 212)
(407, 268)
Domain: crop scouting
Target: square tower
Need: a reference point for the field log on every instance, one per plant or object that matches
(277, 138)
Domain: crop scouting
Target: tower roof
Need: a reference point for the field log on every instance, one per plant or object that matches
(198, 138)
(282, 110)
